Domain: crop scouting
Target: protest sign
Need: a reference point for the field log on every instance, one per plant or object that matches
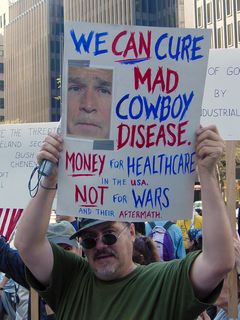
(221, 99)
(19, 144)
(147, 83)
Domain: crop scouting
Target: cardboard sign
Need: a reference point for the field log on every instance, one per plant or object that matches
(221, 100)
(19, 144)
(131, 105)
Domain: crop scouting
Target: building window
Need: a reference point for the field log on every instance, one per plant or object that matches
(1, 67)
(1, 53)
(152, 6)
(1, 25)
(1, 118)
(219, 37)
(145, 6)
(4, 19)
(1, 103)
(238, 5)
(219, 9)
(229, 7)
(199, 17)
(1, 85)
(238, 31)
(209, 12)
(57, 47)
(230, 34)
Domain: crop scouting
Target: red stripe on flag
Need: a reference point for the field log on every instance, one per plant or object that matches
(8, 225)
(4, 221)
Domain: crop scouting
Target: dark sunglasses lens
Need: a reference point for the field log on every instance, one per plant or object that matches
(109, 239)
(88, 243)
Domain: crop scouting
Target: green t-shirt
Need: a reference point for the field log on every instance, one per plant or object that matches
(160, 291)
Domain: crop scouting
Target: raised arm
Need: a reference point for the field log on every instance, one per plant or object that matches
(30, 240)
(217, 257)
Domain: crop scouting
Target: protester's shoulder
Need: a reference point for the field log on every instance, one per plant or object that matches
(3, 242)
(9, 255)
(172, 266)
(61, 254)
(175, 227)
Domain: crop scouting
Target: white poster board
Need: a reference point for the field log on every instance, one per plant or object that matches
(142, 165)
(221, 100)
(19, 144)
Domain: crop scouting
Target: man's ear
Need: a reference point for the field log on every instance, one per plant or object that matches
(132, 231)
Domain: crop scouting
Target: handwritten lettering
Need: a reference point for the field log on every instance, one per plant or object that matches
(91, 196)
(161, 164)
(153, 135)
(90, 163)
(168, 85)
(164, 107)
(156, 198)
(146, 215)
(86, 41)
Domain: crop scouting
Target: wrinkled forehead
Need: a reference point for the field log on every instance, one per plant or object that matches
(90, 73)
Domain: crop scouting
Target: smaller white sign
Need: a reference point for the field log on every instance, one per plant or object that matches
(221, 101)
(19, 144)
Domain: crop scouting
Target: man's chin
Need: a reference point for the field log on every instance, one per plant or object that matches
(88, 131)
(105, 275)
(105, 270)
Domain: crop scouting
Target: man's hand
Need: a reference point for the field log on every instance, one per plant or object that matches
(209, 148)
(50, 150)
(203, 316)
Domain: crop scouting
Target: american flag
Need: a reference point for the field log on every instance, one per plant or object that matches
(8, 220)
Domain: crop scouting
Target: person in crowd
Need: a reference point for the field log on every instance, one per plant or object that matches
(144, 250)
(71, 219)
(89, 289)
(89, 101)
(176, 236)
(194, 223)
(7, 296)
(140, 228)
(11, 262)
(194, 241)
(22, 303)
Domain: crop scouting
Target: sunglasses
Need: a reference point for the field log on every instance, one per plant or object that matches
(108, 238)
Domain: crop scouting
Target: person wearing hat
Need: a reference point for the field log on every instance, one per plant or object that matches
(109, 285)
(194, 241)
(11, 262)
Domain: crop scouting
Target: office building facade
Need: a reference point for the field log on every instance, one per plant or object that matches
(34, 39)
(1, 79)
(223, 17)
(32, 60)
(3, 22)
(164, 13)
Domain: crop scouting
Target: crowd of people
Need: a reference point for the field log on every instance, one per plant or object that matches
(94, 269)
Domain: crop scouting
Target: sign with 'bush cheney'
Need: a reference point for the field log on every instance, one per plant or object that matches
(131, 105)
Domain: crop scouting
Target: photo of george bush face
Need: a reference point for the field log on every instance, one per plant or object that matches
(89, 102)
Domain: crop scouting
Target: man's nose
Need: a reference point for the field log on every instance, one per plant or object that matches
(88, 101)
(99, 243)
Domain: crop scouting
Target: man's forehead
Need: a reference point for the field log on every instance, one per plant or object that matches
(83, 73)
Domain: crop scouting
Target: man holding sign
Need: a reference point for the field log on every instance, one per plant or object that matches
(109, 285)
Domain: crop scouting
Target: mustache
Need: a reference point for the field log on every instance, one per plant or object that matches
(107, 251)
